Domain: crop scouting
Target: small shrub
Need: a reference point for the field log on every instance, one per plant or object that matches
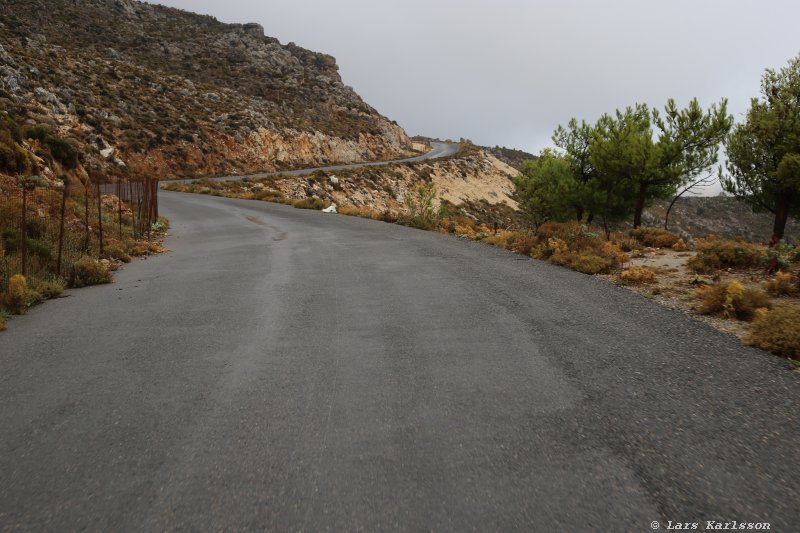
(309, 203)
(389, 216)
(159, 226)
(116, 250)
(731, 300)
(137, 248)
(784, 284)
(655, 237)
(549, 247)
(777, 259)
(636, 275)
(626, 244)
(555, 229)
(777, 331)
(422, 212)
(467, 231)
(715, 254)
(62, 150)
(585, 262)
(87, 271)
(48, 289)
(680, 246)
(521, 242)
(13, 159)
(16, 293)
(614, 252)
(38, 133)
(362, 212)
(501, 239)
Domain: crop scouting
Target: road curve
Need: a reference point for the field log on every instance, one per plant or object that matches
(283, 369)
(438, 150)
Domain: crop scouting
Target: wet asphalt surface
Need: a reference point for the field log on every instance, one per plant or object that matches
(282, 369)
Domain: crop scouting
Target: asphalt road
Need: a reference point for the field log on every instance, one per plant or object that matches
(283, 369)
(438, 150)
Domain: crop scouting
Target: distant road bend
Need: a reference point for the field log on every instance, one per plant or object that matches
(285, 369)
(438, 150)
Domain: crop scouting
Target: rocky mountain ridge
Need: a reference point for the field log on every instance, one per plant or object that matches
(162, 91)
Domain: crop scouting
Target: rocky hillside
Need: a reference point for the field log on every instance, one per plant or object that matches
(510, 156)
(472, 181)
(167, 92)
(472, 184)
(719, 215)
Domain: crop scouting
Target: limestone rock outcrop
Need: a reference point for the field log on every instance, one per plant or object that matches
(177, 94)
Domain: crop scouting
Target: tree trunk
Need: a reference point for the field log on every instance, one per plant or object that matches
(640, 201)
(781, 216)
(669, 210)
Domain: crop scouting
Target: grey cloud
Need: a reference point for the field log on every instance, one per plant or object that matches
(508, 71)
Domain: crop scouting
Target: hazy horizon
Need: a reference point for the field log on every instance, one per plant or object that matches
(508, 74)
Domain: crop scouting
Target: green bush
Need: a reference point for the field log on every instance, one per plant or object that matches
(87, 271)
(38, 133)
(13, 158)
(62, 150)
(12, 242)
(422, 213)
(777, 331)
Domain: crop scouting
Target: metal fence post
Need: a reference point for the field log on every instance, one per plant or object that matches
(100, 215)
(24, 228)
(64, 193)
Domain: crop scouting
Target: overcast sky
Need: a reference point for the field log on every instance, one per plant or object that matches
(508, 72)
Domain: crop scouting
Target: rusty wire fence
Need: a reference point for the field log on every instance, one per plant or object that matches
(48, 225)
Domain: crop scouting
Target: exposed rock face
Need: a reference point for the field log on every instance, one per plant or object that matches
(475, 182)
(719, 215)
(176, 93)
(254, 30)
